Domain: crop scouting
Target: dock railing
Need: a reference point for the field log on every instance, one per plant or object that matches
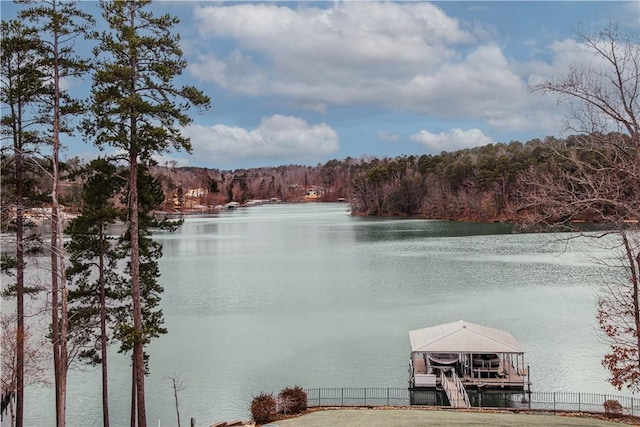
(461, 390)
(536, 400)
(457, 394)
(444, 382)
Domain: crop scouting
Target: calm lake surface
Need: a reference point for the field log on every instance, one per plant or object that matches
(272, 296)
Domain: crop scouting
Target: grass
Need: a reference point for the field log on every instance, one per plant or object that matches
(430, 417)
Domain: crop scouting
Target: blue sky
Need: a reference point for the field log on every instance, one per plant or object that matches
(306, 82)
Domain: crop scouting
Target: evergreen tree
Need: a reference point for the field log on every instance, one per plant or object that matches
(137, 109)
(151, 197)
(23, 83)
(94, 269)
(59, 24)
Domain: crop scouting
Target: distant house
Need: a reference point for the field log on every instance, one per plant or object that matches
(314, 192)
(311, 194)
(196, 192)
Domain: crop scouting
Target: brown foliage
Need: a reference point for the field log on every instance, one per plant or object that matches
(612, 407)
(293, 400)
(264, 408)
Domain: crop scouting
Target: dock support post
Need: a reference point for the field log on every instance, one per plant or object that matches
(193, 422)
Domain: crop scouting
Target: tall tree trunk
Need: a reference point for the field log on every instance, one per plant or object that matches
(57, 249)
(134, 412)
(20, 331)
(138, 345)
(633, 261)
(175, 395)
(55, 319)
(636, 289)
(103, 332)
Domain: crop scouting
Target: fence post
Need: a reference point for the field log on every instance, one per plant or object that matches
(579, 400)
(554, 401)
(342, 396)
(387, 396)
(365, 396)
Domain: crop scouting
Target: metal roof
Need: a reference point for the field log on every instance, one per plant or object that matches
(463, 337)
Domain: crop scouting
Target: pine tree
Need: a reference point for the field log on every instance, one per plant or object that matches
(94, 269)
(59, 24)
(23, 83)
(137, 108)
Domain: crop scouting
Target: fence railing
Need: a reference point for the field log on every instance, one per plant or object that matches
(536, 400)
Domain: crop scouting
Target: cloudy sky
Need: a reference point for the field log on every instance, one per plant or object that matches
(306, 82)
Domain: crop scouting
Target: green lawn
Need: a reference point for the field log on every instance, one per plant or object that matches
(421, 417)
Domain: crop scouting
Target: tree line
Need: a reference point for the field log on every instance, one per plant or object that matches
(486, 183)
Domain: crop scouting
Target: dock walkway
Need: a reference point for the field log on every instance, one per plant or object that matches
(457, 394)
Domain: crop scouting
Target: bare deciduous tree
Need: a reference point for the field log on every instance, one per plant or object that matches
(178, 386)
(603, 91)
(597, 176)
(35, 358)
(618, 315)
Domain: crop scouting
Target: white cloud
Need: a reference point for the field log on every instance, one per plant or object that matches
(346, 54)
(400, 56)
(278, 138)
(482, 85)
(454, 139)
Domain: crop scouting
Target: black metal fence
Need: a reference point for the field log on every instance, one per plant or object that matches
(354, 396)
(537, 400)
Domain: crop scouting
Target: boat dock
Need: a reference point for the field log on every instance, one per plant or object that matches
(462, 356)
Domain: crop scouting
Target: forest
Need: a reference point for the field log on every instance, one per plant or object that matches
(487, 183)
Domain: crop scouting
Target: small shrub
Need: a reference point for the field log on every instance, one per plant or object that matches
(263, 408)
(612, 407)
(293, 400)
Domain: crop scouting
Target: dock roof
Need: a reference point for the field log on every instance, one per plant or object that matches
(463, 337)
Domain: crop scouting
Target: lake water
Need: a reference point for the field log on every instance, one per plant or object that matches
(272, 296)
